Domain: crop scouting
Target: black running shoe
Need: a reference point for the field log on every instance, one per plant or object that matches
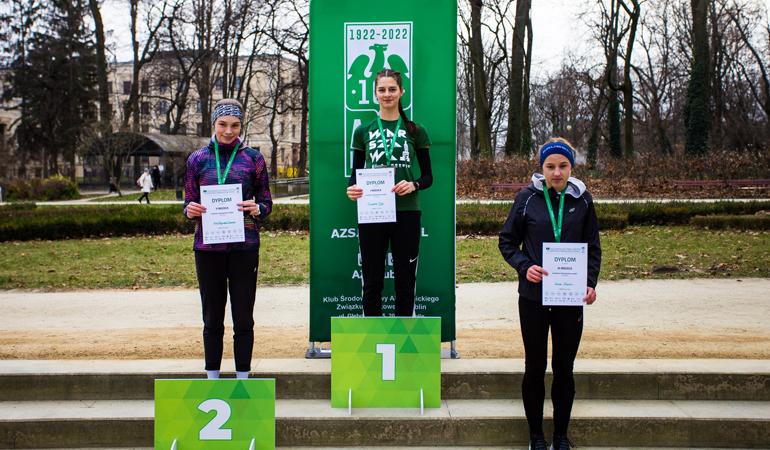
(537, 442)
(561, 443)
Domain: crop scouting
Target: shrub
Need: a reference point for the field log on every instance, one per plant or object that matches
(287, 217)
(54, 188)
(613, 221)
(19, 190)
(723, 222)
(59, 188)
(19, 206)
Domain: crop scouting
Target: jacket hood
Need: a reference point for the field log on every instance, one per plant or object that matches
(575, 187)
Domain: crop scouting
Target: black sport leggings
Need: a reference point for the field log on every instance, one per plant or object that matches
(566, 325)
(218, 272)
(404, 238)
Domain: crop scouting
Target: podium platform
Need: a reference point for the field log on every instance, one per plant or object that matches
(620, 404)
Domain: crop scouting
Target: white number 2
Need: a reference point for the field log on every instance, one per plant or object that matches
(213, 430)
(388, 352)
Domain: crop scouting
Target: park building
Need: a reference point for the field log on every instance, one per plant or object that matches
(170, 121)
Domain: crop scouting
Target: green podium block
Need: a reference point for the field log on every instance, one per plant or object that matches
(215, 414)
(386, 361)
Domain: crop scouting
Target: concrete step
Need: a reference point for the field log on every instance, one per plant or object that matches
(651, 379)
(499, 422)
(427, 448)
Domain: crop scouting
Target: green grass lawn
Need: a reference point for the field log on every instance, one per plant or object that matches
(162, 194)
(157, 261)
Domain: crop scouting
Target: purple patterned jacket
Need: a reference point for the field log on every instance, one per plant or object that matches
(249, 170)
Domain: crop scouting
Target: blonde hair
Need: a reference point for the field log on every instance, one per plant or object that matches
(553, 139)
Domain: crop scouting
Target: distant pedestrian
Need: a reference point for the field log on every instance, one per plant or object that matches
(145, 182)
(156, 178)
(113, 188)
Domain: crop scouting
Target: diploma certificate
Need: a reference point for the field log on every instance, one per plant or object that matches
(378, 204)
(222, 222)
(567, 267)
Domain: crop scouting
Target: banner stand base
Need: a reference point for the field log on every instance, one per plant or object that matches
(450, 353)
(324, 353)
(317, 352)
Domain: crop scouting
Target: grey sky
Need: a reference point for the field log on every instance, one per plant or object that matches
(554, 23)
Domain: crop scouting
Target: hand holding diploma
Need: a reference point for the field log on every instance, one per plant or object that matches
(566, 276)
(536, 273)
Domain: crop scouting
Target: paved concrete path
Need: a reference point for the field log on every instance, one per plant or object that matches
(652, 305)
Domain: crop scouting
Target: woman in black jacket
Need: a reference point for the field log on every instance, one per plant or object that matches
(531, 222)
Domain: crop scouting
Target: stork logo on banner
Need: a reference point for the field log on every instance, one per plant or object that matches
(369, 48)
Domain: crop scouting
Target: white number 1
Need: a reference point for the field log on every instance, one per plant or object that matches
(213, 430)
(388, 352)
(363, 100)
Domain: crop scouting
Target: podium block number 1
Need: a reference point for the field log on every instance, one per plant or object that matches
(386, 362)
(388, 352)
(213, 430)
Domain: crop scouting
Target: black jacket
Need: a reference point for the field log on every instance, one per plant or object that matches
(530, 224)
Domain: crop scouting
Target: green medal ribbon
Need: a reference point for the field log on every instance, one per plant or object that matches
(388, 151)
(221, 177)
(556, 229)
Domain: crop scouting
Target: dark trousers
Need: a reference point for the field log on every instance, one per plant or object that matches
(566, 325)
(218, 271)
(145, 195)
(403, 235)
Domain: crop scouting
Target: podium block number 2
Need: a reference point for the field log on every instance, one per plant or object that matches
(213, 430)
(388, 352)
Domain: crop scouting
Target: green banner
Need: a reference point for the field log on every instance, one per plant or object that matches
(350, 41)
(386, 361)
(215, 414)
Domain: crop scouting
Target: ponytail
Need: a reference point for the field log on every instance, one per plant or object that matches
(411, 127)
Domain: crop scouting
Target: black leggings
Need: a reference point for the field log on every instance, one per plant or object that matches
(145, 195)
(404, 238)
(566, 324)
(214, 270)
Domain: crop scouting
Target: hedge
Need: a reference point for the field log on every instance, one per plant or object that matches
(761, 222)
(52, 223)
(26, 222)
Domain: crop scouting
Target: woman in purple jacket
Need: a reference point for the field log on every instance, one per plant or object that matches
(233, 266)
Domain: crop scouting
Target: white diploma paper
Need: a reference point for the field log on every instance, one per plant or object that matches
(567, 267)
(222, 222)
(378, 204)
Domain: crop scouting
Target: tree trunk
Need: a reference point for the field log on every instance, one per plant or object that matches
(717, 88)
(203, 33)
(303, 156)
(515, 113)
(526, 127)
(480, 83)
(628, 89)
(696, 108)
(613, 114)
(105, 112)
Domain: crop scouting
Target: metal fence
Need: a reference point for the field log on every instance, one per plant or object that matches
(287, 187)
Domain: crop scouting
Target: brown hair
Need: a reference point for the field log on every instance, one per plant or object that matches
(411, 127)
(229, 101)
